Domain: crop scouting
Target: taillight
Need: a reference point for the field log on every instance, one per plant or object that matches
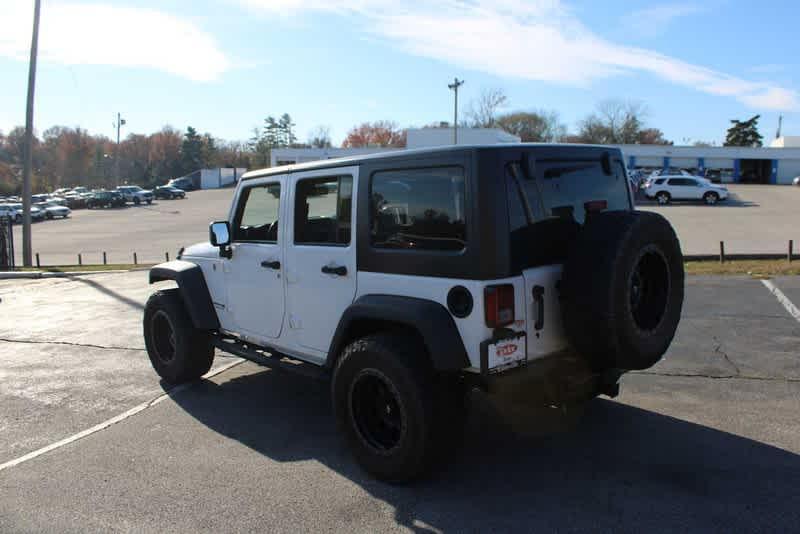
(498, 304)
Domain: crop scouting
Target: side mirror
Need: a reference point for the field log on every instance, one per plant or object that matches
(219, 233)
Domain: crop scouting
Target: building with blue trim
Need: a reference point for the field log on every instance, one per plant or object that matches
(766, 165)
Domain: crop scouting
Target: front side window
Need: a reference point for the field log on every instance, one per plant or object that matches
(257, 214)
(418, 209)
(322, 211)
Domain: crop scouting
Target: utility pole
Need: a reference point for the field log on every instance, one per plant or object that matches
(454, 86)
(119, 124)
(27, 256)
(780, 126)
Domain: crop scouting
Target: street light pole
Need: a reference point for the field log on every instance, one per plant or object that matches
(119, 124)
(27, 256)
(454, 86)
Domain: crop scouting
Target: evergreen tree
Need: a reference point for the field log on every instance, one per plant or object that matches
(744, 133)
(191, 151)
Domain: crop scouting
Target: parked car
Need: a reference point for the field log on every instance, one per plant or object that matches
(796, 181)
(62, 191)
(169, 192)
(105, 199)
(449, 285)
(182, 183)
(74, 201)
(10, 211)
(53, 209)
(668, 188)
(16, 208)
(135, 194)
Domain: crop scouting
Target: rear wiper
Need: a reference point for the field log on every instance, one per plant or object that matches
(526, 205)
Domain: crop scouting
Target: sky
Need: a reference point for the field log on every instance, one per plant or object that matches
(222, 66)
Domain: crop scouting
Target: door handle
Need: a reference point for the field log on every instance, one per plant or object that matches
(538, 299)
(271, 264)
(338, 270)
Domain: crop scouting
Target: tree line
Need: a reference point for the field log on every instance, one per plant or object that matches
(71, 157)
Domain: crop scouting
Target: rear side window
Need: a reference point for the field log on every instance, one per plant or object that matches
(418, 209)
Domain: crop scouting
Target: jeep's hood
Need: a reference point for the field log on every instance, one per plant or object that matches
(201, 250)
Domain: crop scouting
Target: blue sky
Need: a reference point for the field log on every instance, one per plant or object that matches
(223, 65)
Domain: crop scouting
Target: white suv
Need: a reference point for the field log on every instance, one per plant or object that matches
(410, 278)
(135, 194)
(665, 189)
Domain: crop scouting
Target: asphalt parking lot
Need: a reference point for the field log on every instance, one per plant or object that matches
(708, 440)
(756, 219)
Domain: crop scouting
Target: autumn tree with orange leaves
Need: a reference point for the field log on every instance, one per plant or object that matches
(375, 134)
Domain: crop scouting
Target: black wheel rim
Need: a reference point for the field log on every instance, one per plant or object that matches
(649, 289)
(376, 411)
(163, 337)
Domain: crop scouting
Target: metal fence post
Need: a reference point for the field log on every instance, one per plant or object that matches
(135, 259)
(80, 260)
(166, 255)
(38, 264)
(105, 260)
(791, 250)
(722, 251)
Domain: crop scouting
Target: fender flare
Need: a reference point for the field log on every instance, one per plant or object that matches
(430, 319)
(193, 291)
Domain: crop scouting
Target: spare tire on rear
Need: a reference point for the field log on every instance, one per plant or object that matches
(622, 290)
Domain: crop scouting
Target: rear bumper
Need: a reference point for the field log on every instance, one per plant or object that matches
(559, 379)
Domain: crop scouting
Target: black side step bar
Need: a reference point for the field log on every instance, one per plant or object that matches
(270, 358)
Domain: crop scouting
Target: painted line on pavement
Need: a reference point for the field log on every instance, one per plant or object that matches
(783, 299)
(114, 420)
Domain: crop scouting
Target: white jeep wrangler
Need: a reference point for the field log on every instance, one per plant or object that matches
(409, 278)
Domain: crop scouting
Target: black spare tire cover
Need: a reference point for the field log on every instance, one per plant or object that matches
(622, 289)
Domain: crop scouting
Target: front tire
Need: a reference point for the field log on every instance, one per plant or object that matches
(663, 198)
(178, 351)
(396, 413)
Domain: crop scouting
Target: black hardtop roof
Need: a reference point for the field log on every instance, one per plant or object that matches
(399, 154)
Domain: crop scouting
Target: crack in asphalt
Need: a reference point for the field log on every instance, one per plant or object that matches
(718, 350)
(87, 345)
(790, 379)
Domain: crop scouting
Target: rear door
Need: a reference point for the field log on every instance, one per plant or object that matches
(320, 256)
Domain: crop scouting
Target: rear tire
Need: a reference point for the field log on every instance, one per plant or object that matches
(711, 198)
(136, 200)
(178, 351)
(663, 198)
(397, 415)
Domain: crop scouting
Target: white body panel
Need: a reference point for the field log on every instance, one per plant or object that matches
(473, 329)
(550, 337)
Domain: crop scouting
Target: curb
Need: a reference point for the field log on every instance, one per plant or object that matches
(27, 275)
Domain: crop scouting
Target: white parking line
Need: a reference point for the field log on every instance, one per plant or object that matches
(114, 420)
(783, 299)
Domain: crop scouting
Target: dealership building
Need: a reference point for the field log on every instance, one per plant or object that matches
(777, 164)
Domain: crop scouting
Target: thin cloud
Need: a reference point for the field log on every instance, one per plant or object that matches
(655, 20)
(101, 34)
(540, 40)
